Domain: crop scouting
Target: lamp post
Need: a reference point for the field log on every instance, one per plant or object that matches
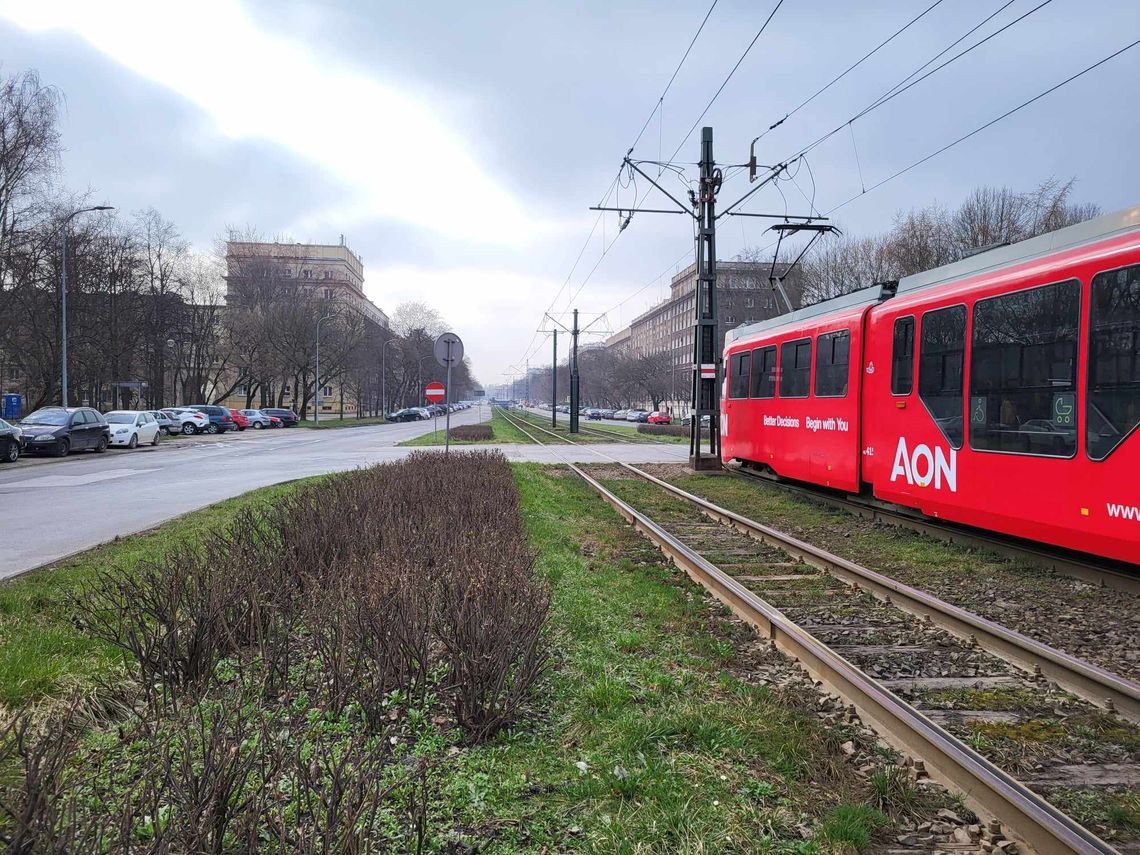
(384, 375)
(63, 298)
(420, 372)
(317, 372)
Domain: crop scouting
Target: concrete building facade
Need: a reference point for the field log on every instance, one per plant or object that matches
(744, 294)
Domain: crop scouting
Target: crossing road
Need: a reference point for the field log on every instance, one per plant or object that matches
(53, 508)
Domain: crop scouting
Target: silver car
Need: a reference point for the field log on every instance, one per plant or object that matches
(257, 419)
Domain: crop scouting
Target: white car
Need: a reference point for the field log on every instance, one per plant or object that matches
(189, 421)
(132, 428)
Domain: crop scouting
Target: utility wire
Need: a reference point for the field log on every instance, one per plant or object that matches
(716, 95)
(616, 180)
(852, 67)
(991, 122)
(891, 93)
(668, 86)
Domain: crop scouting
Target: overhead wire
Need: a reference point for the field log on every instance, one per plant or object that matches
(613, 184)
(991, 122)
(852, 67)
(903, 85)
(720, 89)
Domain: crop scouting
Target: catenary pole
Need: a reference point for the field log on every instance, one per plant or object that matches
(554, 385)
(706, 359)
(574, 375)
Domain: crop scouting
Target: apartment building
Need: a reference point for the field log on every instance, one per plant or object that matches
(744, 294)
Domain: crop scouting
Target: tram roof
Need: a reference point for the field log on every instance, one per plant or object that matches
(1070, 237)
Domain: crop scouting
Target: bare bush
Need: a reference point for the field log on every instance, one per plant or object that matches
(664, 430)
(473, 433)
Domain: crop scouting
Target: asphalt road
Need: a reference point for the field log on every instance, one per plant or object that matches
(53, 508)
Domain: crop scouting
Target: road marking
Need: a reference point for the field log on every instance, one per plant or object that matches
(72, 480)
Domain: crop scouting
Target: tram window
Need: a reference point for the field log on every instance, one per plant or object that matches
(1114, 360)
(1023, 371)
(738, 374)
(902, 357)
(795, 368)
(832, 356)
(764, 372)
(940, 356)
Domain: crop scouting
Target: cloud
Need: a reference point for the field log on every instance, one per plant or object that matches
(391, 151)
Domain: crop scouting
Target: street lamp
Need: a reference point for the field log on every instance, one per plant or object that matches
(384, 375)
(420, 372)
(317, 372)
(63, 298)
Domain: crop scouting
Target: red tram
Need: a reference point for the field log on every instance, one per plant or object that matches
(1001, 391)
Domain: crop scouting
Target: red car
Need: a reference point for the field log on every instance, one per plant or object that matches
(241, 421)
(659, 418)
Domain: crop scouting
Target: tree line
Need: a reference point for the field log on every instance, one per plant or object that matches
(148, 321)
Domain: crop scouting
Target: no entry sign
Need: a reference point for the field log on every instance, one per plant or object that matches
(434, 392)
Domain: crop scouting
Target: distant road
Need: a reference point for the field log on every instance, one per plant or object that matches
(53, 508)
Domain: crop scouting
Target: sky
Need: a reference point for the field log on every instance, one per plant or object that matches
(458, 146)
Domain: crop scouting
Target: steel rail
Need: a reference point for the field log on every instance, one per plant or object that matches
(1087, 681)
(1086, 571)
(601, 430)
(988, 790)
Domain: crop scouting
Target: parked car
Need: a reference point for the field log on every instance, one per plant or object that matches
(166, 424)
(408, 414)
(607, 414)
(132, 428)
(258, 420)
(240, 420)
(188, 421)
(659, 418)
(620, 415)
(288, 417)
(705, 420)
(594, 415)
(637, 416)
(60, 431)
(11, 442)
(220, 418)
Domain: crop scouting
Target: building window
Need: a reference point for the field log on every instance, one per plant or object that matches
(240, 390)
(832, 357)
(327, 392)
(1114, 360)
(940, 356)
(306, 274)
(328, 293)
(749, 303)
(764, 372)
(795, 368)
(328, 274)
(1023, 371)
(902, 357)
(287, 272)
(738, 374)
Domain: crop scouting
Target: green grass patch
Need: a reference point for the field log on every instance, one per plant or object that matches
(41, 651)
(502, 432)
(647, 741)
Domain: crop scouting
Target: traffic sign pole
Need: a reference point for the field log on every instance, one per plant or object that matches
(447, 425)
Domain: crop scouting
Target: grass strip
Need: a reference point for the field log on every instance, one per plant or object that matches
(649, 740)
(503, 432)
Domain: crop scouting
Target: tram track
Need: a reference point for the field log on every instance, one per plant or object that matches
(863, 639)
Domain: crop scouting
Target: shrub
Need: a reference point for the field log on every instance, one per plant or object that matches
(473, 433)
(279, 660)
(664, 430)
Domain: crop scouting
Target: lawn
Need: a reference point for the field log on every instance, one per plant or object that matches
(503, 432)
